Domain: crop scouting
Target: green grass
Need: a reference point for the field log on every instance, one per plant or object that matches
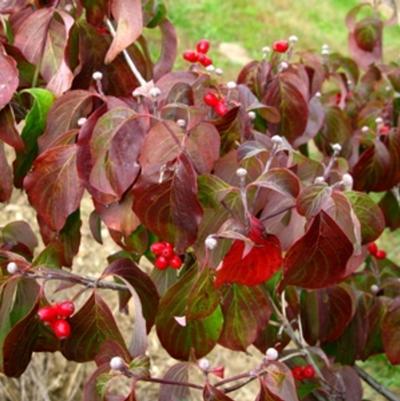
(257, 23)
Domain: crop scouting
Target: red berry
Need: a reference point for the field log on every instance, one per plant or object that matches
(204, 60)
(380, 254)
(61, 329)
(47, 313)
(221, 109)
(157, 248)
(176, 262)
(297, 373)
(211, 99)
(191, 56)
(308, 372)
(161, 263)
(168, 250)
(203, 46)
(372, 248)
(65, 309)
(280, 46)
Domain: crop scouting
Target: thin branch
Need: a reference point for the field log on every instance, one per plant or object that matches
(379, 388)
(127, 57)
(172, 383)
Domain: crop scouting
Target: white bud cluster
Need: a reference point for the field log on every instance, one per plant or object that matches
(181, 122)
(379, 120)
(117, 363)
(219, 71)
(364, 129)
(252, 115)
(266, 50)
(211, 242)
(97, 76)
(293, 39)
(210, 68)
(82, 121)
(271, 354)
(12, 268)
(374, 289)
(155, 92)
(319, 180)
(231, 85)
(277, 140)
(204, 364)
(347, 181)
(241, 172)
(283, 66)
(337, 148)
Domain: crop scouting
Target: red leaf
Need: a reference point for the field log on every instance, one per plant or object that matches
(53, 186)
(211, 393)
(8, 130)
(178, 373)
(391, 332)
(252, 267)
(128, 15)
(319, 258)
(8, 77)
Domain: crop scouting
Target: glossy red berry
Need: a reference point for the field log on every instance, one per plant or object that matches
(380, 254)
(61, 329)
(221, 108)
(203, 46)
(211, 99)
(204, 60)
(65, 309)
(168, 250)
(161, 263)
(176, 262)
(297, 373)
(191, 56)
(308, 372)
(47, 313)
(372, 248)
(157, 248)
(280, 46)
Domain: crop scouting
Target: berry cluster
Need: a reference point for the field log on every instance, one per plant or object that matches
(200, 54)
(280, 46)
(166, 256)
(216, 102)
(301, 373)
(373, 249)
(384, 130)
(56, 317)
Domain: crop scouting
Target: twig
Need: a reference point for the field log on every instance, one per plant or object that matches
(379, 388)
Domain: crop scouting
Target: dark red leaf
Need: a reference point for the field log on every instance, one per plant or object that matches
(8, 129)
(53, 186)
(178, 373)
(128, 15)
(6, 176)
(319, 258)
(391, 333)
(211, 393)
(8, 77)
(390, 207)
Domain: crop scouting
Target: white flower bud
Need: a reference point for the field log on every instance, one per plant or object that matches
(181, 122)
(117, 363)
(210, 68)
(374, 289)
(325, 52)
(283, 66)
(266, 49)
(219, 71)
(325, 46)
(337, 147)
(252, 115)
(293, 39)
(231, 85)
(277, 140)
(82, 121)
(204, 364)
(97, 76)
(379, 120)
(319, 180)
(155, 92)
(68, 8)
(364, 129)
(211, 242)
(12, 268)
(388, 88)
(347, 181)
(271, 354)
(241, 172)
(318, 94)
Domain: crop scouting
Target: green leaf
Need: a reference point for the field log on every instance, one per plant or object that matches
(369, 215)
(35, 123)
(246, 312)
(197, 336)
(390, 207)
